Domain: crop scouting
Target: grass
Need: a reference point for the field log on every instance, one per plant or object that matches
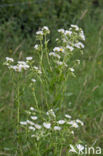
(84, 98)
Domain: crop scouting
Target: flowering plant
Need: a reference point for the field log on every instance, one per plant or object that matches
(50, 72)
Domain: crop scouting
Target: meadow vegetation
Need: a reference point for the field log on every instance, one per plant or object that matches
(51, 100)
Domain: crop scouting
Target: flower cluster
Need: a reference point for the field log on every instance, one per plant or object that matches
(20, 66)
(39, 34)
(70, 40)
(49, 121)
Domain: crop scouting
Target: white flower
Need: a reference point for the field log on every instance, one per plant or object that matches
(58, 49)
(72, 149)
(9, 59)
(61, 31)
(54, 54)
(80, 147)
(51, 112)
(61, 122)
(33, 80)
(68, 116)
(30, 122)
(75, 26)
(13, 67)
(57, 128)
(21, 62)
(36, 68)
(20, 67)
(29, 58)
(37, 126)
(47, 125)
(79, 121)
(32, 109)
(70, 47)
(45, 29)
(23, 122)
(61, 63)
(39, 32)
(34, 117)
(32, 128)
(68, 32)
(36, 47)
(79, 45)
(39, 72)
(82, 35)
(57, 39)
(73, 123)
(72, 132)
(71, 69)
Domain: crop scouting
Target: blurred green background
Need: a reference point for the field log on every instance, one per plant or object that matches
(19, 20)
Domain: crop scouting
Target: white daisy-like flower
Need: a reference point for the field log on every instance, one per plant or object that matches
(57, 39)
(73, 124)
(68, 32)
(30, 122)
(36, 68)
(20, 67)
(23, 122)
(79, 45)
(32, 128)
(82, 35)
(61, 31)
(58, 49)
(70, 47)
(79, 121)
(33, 80)
(9, 59)
(37, 126)
(13, 67)
(32, 109)
(36, 47)
(47, 125)
(57, 128)
(54, 54)
(75, 26)
(61, 63)
(22, 62)
(34, 117)
(29, 58)
(61, 122)
(39, 32)
(71, 69)
(45, 29)
(39, 72)
(72, 132)
(68, 116)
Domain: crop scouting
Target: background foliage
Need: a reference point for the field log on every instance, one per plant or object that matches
(18, 23)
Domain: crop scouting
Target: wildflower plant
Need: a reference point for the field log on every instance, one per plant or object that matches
(50, 72)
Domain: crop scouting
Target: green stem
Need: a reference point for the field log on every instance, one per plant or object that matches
(18, 106)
